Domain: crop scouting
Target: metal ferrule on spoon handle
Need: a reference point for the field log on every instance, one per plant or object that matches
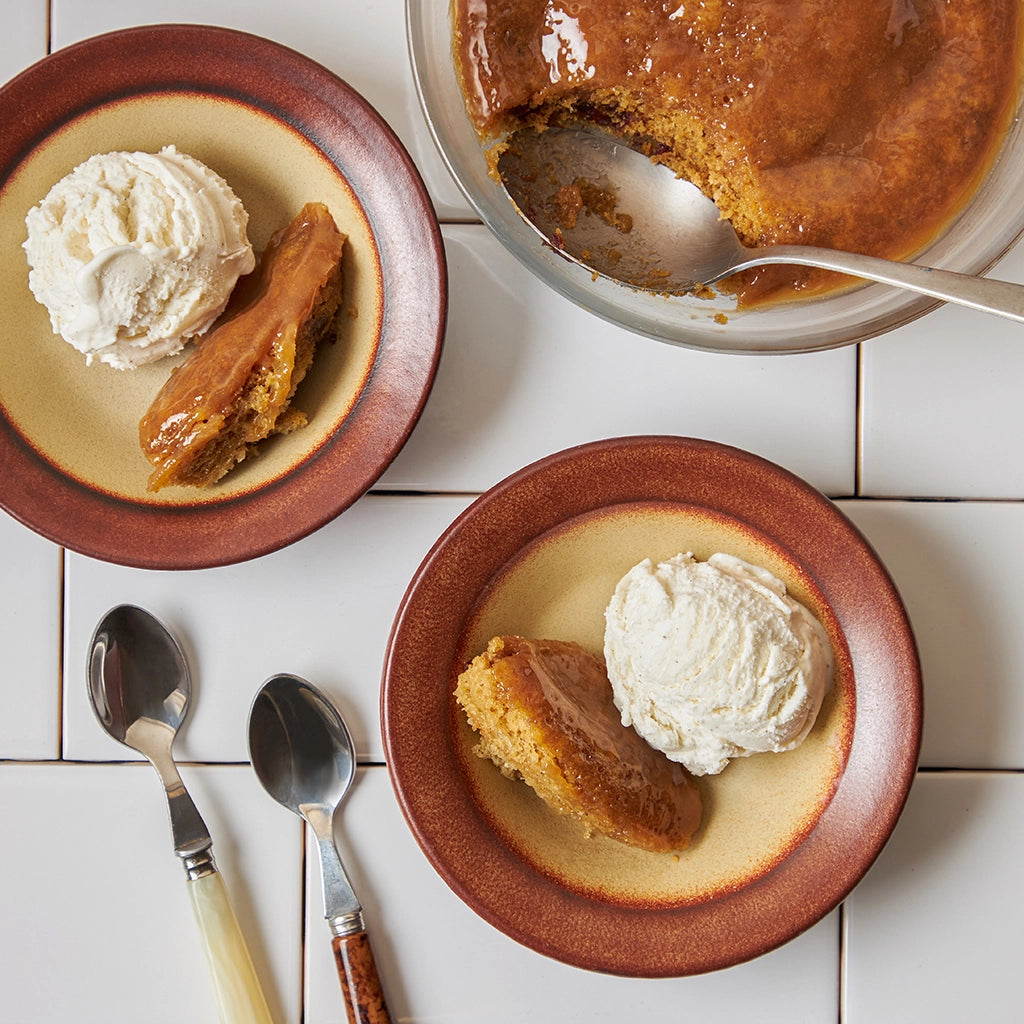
(353, 955)
(240, 998)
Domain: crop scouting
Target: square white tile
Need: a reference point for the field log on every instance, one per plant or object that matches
(942, 415)
(364, 44)
(525, 372)
(95, 920)
(440, 962)
(23, 40)
(321, 608)
(30, 620)
(958, 566)
(30, 598)
(932, 933)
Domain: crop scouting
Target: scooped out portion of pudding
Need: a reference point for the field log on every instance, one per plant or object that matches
(858, 126)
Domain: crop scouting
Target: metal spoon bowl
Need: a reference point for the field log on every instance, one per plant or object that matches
(126, 639)
(303, 754)
(140, 687)
(665, 236)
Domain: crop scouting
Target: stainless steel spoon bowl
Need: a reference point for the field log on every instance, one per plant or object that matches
(139, 685)
(303, 754)
(666, 236)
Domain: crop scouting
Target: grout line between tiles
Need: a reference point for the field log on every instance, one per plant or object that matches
(858, 421)
(840, 1008)
(840, 1013)
(61, 622)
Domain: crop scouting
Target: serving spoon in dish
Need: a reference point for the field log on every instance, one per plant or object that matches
(140, 688)
(303, 754)
(615, 212)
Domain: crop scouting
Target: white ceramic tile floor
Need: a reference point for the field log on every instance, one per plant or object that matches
(525, 373)
(321, 609)
(30, 612)
(942, 415)
(23, 40)
(931, 933)
(93, 888)
(958, 566)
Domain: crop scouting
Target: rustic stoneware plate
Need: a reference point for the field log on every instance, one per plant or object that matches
(282, 130)
(785, 837)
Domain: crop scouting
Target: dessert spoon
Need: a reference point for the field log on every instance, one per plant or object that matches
(139, 685)
(302, 753)
(647, 228)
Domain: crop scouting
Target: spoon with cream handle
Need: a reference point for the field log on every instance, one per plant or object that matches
(654, 231)
(140, 687)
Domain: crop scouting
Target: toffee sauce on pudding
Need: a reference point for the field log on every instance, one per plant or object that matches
(544, 712)
(858, 126)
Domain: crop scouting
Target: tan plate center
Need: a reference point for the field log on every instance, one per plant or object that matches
(84, 419)
(755, 812)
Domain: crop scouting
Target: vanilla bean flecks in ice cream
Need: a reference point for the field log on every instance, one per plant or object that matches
(134, 254)
(711, 660)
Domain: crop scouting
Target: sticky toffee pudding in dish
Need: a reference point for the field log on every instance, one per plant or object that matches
(858, 126)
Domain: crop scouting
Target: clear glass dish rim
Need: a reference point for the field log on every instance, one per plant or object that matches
(981, 234)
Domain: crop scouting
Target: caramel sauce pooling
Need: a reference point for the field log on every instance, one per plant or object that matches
(862, 125)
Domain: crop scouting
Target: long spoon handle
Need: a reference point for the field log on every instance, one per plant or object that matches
(1003, 298)
(360, 983)
(240, 998)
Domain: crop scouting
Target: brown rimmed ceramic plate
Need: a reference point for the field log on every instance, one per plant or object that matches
(785, 837)
(282, 130)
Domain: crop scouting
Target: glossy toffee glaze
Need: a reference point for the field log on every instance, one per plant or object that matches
(588, 762)
(261, 327)
(859, 126)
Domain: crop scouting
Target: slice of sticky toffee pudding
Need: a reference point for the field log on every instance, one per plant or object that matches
(236, 387)
(544, 713)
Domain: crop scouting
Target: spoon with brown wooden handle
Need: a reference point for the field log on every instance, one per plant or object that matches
(302, 753)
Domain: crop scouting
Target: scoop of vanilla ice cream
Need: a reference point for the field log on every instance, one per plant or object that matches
(714, 660)
(133, 254)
